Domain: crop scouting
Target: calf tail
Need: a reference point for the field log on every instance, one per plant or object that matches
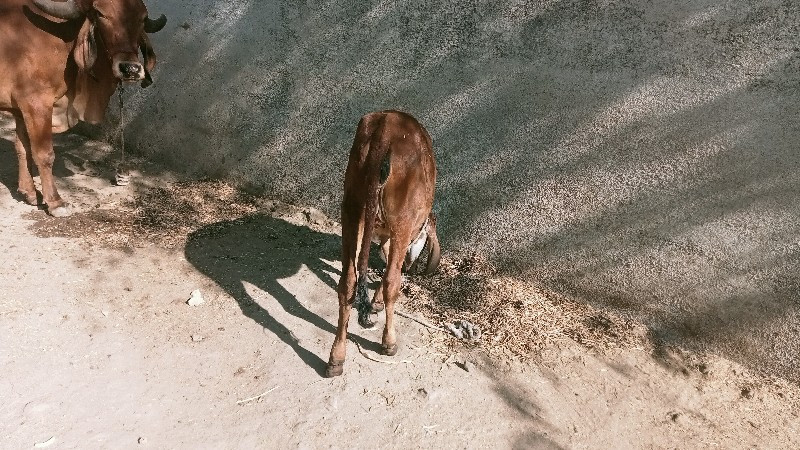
(377, 155)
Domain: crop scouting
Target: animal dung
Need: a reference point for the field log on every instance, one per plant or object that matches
(463, 329)
(196, 298)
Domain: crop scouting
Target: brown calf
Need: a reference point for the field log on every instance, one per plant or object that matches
(388, 195)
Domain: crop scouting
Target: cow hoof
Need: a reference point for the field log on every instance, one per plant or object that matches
(377, 307)
(390, 350)
(60, 211)
(334, 369)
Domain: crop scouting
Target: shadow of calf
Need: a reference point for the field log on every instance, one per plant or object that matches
(261, 250)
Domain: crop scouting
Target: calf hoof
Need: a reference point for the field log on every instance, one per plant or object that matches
(389, 350)
(334, 369)
(60, 211)
(377, 307)
(29, 198)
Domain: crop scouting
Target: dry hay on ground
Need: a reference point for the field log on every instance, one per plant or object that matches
(162, 216)
(517, 318)
(168, 215)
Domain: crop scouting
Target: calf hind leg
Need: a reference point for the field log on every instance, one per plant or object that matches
(390, 285)
(377, 301)
(345, 290)
(346, 293)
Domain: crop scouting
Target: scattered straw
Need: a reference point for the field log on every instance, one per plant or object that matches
(162, 216)
(372, 358)
(517, 318)
(242, 402)
(419, 320)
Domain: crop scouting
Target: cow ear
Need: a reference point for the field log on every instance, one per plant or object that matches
(85, 51)
(149, 57)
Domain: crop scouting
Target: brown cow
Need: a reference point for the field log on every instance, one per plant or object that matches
(71, 53)
(388, 195)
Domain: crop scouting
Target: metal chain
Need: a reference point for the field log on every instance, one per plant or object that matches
(121, 129)
(122, 177)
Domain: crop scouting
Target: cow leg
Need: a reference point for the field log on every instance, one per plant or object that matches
(377, 300)
(25, 185)
(392, 279)
(39, 125)
(346, 291)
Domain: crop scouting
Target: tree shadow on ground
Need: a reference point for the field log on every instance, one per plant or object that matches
(540, 431)
(262, 250)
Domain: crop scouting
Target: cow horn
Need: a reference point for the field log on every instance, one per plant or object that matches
(63, 10)
(153, 26)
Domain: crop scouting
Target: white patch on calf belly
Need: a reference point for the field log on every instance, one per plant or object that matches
(416, 247)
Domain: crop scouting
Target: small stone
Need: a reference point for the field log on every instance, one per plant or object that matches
(422, 392)
(429, 394)
(196, 338)
(142, 440)
(196, 299)
(747, 393)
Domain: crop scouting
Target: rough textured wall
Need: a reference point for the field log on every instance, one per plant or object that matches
(640, 154)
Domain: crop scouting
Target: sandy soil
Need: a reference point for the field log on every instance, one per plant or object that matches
(100, 349)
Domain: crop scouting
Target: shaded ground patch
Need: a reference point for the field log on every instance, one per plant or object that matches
(517, 318)
(268, 272)
(162, 216)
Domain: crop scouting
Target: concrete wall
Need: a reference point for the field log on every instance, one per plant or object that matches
(639, 154)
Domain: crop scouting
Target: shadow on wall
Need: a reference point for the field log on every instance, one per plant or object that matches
(260, 251)
(640, 156)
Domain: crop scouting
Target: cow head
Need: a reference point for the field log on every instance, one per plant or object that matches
(117, 27)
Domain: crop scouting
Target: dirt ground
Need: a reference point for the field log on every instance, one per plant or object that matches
(101, 350)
